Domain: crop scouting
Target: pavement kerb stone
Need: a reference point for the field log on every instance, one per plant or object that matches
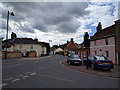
(85, 71)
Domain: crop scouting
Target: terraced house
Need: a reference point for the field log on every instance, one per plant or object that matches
(103, 42)
(27, 46)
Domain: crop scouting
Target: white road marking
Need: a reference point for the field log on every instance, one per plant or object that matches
(8, 79)
(32, 73)
(1, 85)
(25, 76)
(15, 80)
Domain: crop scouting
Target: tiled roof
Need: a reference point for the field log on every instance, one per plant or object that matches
(24, 41)
(21, 41)
(109, 31)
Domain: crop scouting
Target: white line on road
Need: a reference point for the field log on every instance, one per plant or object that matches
(32, 73)
(1, 85)
(15, 80)
(25, 76)
(8, 79)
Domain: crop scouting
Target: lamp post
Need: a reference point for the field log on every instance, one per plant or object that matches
(12, 14)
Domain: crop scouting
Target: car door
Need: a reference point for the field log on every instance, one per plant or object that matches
(91, 61)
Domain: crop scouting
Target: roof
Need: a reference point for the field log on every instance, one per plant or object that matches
(58, 49)
(107, 32)
(24, 41)
(71, 46)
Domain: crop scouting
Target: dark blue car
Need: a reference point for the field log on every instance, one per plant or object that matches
(99, 62)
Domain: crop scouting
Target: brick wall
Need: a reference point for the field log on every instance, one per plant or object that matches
(12, 54)
(32, 54)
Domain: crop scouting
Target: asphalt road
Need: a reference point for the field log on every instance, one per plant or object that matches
(47, 72)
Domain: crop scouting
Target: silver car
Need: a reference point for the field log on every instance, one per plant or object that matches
(74, 59)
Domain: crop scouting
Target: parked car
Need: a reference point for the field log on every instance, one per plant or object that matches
(99, 62)
(74, 59)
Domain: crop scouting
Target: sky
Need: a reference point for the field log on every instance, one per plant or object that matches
(57, 21)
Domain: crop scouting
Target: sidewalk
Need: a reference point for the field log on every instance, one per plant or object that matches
(112, 73)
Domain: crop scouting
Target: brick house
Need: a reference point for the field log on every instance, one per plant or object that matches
(103, 42)
(84, 48)
(70, 48)
(27, 46)
(82, 51)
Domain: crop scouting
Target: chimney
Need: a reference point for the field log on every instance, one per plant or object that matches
(99, 27)
(36, 39)
(67, 41)
(71, 39)
(13, 36)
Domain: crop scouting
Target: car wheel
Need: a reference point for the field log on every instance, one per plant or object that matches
(92, 66)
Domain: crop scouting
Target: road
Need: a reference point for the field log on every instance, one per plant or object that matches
(47, 72)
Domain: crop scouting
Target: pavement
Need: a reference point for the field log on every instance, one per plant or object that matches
(108, 73)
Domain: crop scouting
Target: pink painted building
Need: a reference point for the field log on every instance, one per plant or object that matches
(103, 42)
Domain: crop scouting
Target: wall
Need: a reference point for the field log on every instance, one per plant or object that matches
(100, 45)
(32, 54)
(83, 52)
(26, 47)
(117, 34)
(12, 54)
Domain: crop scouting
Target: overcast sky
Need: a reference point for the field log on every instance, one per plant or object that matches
(57, 21)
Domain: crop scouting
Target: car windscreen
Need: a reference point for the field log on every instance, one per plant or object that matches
(101, 58)
(75, 56)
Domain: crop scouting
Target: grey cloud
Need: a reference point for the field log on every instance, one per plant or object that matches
(26, 28)
(69, 27)
(4, 26)
(45, 14)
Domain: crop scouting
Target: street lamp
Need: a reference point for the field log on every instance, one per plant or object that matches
(12, 14)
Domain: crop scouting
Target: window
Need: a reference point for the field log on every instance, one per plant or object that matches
(107, 53)
(20, 46)
(100, 52)
(106, 41)
(95, 53)
(31, 46)
(94, 43)
(84, 54)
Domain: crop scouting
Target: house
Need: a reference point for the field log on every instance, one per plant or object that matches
(27, 46)
(103, 42)
(70, 48)
(84, 48)
(82, 51)
(58, 50)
